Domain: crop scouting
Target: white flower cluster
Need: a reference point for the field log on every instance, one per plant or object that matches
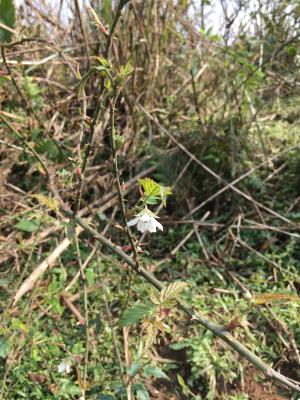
(146, 221)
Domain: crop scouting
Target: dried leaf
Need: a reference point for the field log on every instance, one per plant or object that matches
(236, 322)
(36, 377)
(267, 297)
(48, 202)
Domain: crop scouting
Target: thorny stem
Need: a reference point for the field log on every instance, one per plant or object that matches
(83, 32)
(118, 14)
(118, 355)
(97, 112)
(117, 180)
(86, 314)
(218, 330)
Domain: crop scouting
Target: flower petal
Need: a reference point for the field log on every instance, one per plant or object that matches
(142, 226)
(68, 368)
(152, 225)
(62, 367)
(133, 221)
(159, 226)
(145, 218)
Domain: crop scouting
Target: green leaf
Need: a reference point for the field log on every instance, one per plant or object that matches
(151, 188)
(27, 226)
(134, 314)
(185, 389)
(172, 291)
(103, 396)
(104, 62)
(18, 325)
(7, 17)
(141, 392)
(86, 77)
(150, 370)
(152, 200)
(125, 70)
(4, 282)
(134, 368)
(90, 276)
(154, 297)
(4, 347)
(68, 388)
(107, 84)
(165, 191)
(154, 191)
(119, 140)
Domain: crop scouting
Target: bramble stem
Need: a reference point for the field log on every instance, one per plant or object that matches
(218, 330)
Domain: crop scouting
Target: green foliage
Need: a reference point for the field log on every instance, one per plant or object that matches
(33, 92)
(4, 347)
(150, 370)
(154, 191)
(135, 314)
(28, 225)
(7, 17)
(232, 102)
(141, 392)
(169, 295)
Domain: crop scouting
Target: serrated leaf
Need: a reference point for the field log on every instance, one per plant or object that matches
(172, 291)
(154, 191)
(268, 297)
(151, 188)
(152, 200)
(154, 297)
(48, 202)
(134, 314)
(170, 303)
(152, 329)
(27, 226)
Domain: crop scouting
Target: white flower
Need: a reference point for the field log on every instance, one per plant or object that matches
(64, 366)
(146, 221)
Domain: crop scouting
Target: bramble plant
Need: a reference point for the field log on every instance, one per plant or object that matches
(129, 97)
